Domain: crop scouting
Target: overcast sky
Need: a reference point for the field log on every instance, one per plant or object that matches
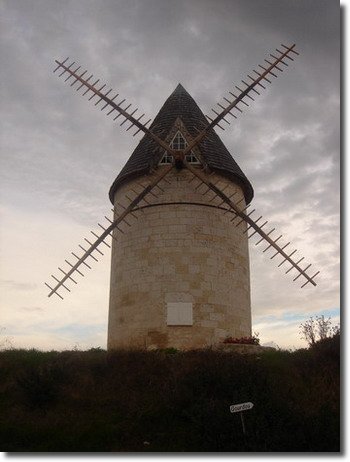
(59, 154)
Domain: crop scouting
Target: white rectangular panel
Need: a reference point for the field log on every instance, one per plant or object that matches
(179, 314)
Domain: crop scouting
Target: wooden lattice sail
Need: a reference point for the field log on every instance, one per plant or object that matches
(202, 133)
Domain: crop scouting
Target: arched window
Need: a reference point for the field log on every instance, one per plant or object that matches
(179, 143)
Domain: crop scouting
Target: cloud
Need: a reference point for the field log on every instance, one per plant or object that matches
(31, 308)
(283, 329)
(14, 285)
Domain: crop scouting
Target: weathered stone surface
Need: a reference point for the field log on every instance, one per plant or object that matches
(179, 253)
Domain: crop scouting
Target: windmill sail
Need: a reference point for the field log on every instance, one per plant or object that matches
(202, 135)
(101, 239)
(247, 92)
(253, 224)
(97, 91)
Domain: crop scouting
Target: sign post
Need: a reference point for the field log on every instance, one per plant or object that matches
(240, 408)
(242, 420)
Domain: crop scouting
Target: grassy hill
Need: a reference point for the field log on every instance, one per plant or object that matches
(170, 401)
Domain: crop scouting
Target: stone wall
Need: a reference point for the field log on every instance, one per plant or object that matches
(178, 253)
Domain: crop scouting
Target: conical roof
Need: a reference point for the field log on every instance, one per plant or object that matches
(214, 154)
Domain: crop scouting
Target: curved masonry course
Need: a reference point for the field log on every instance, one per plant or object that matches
(180, 274)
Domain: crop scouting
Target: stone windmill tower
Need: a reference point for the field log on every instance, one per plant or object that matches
(180, 227)
(191, 265)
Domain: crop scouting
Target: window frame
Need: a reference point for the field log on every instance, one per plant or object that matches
(167, 158)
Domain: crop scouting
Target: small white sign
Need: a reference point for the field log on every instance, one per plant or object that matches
(179, 314)
(241, 407)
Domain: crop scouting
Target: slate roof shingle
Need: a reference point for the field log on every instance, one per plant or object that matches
(213, 152)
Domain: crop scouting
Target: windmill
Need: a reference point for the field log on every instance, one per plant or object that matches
(181, 221)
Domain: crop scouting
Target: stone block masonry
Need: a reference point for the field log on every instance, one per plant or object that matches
(184, 254)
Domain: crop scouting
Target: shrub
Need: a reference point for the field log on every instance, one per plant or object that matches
(40, 386)
(318, 329)
(243, 340)
(94, 401)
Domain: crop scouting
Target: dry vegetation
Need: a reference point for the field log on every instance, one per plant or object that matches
(170, 401)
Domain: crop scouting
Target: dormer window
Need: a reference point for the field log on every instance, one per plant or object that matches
(167, 159)
(179, 143)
